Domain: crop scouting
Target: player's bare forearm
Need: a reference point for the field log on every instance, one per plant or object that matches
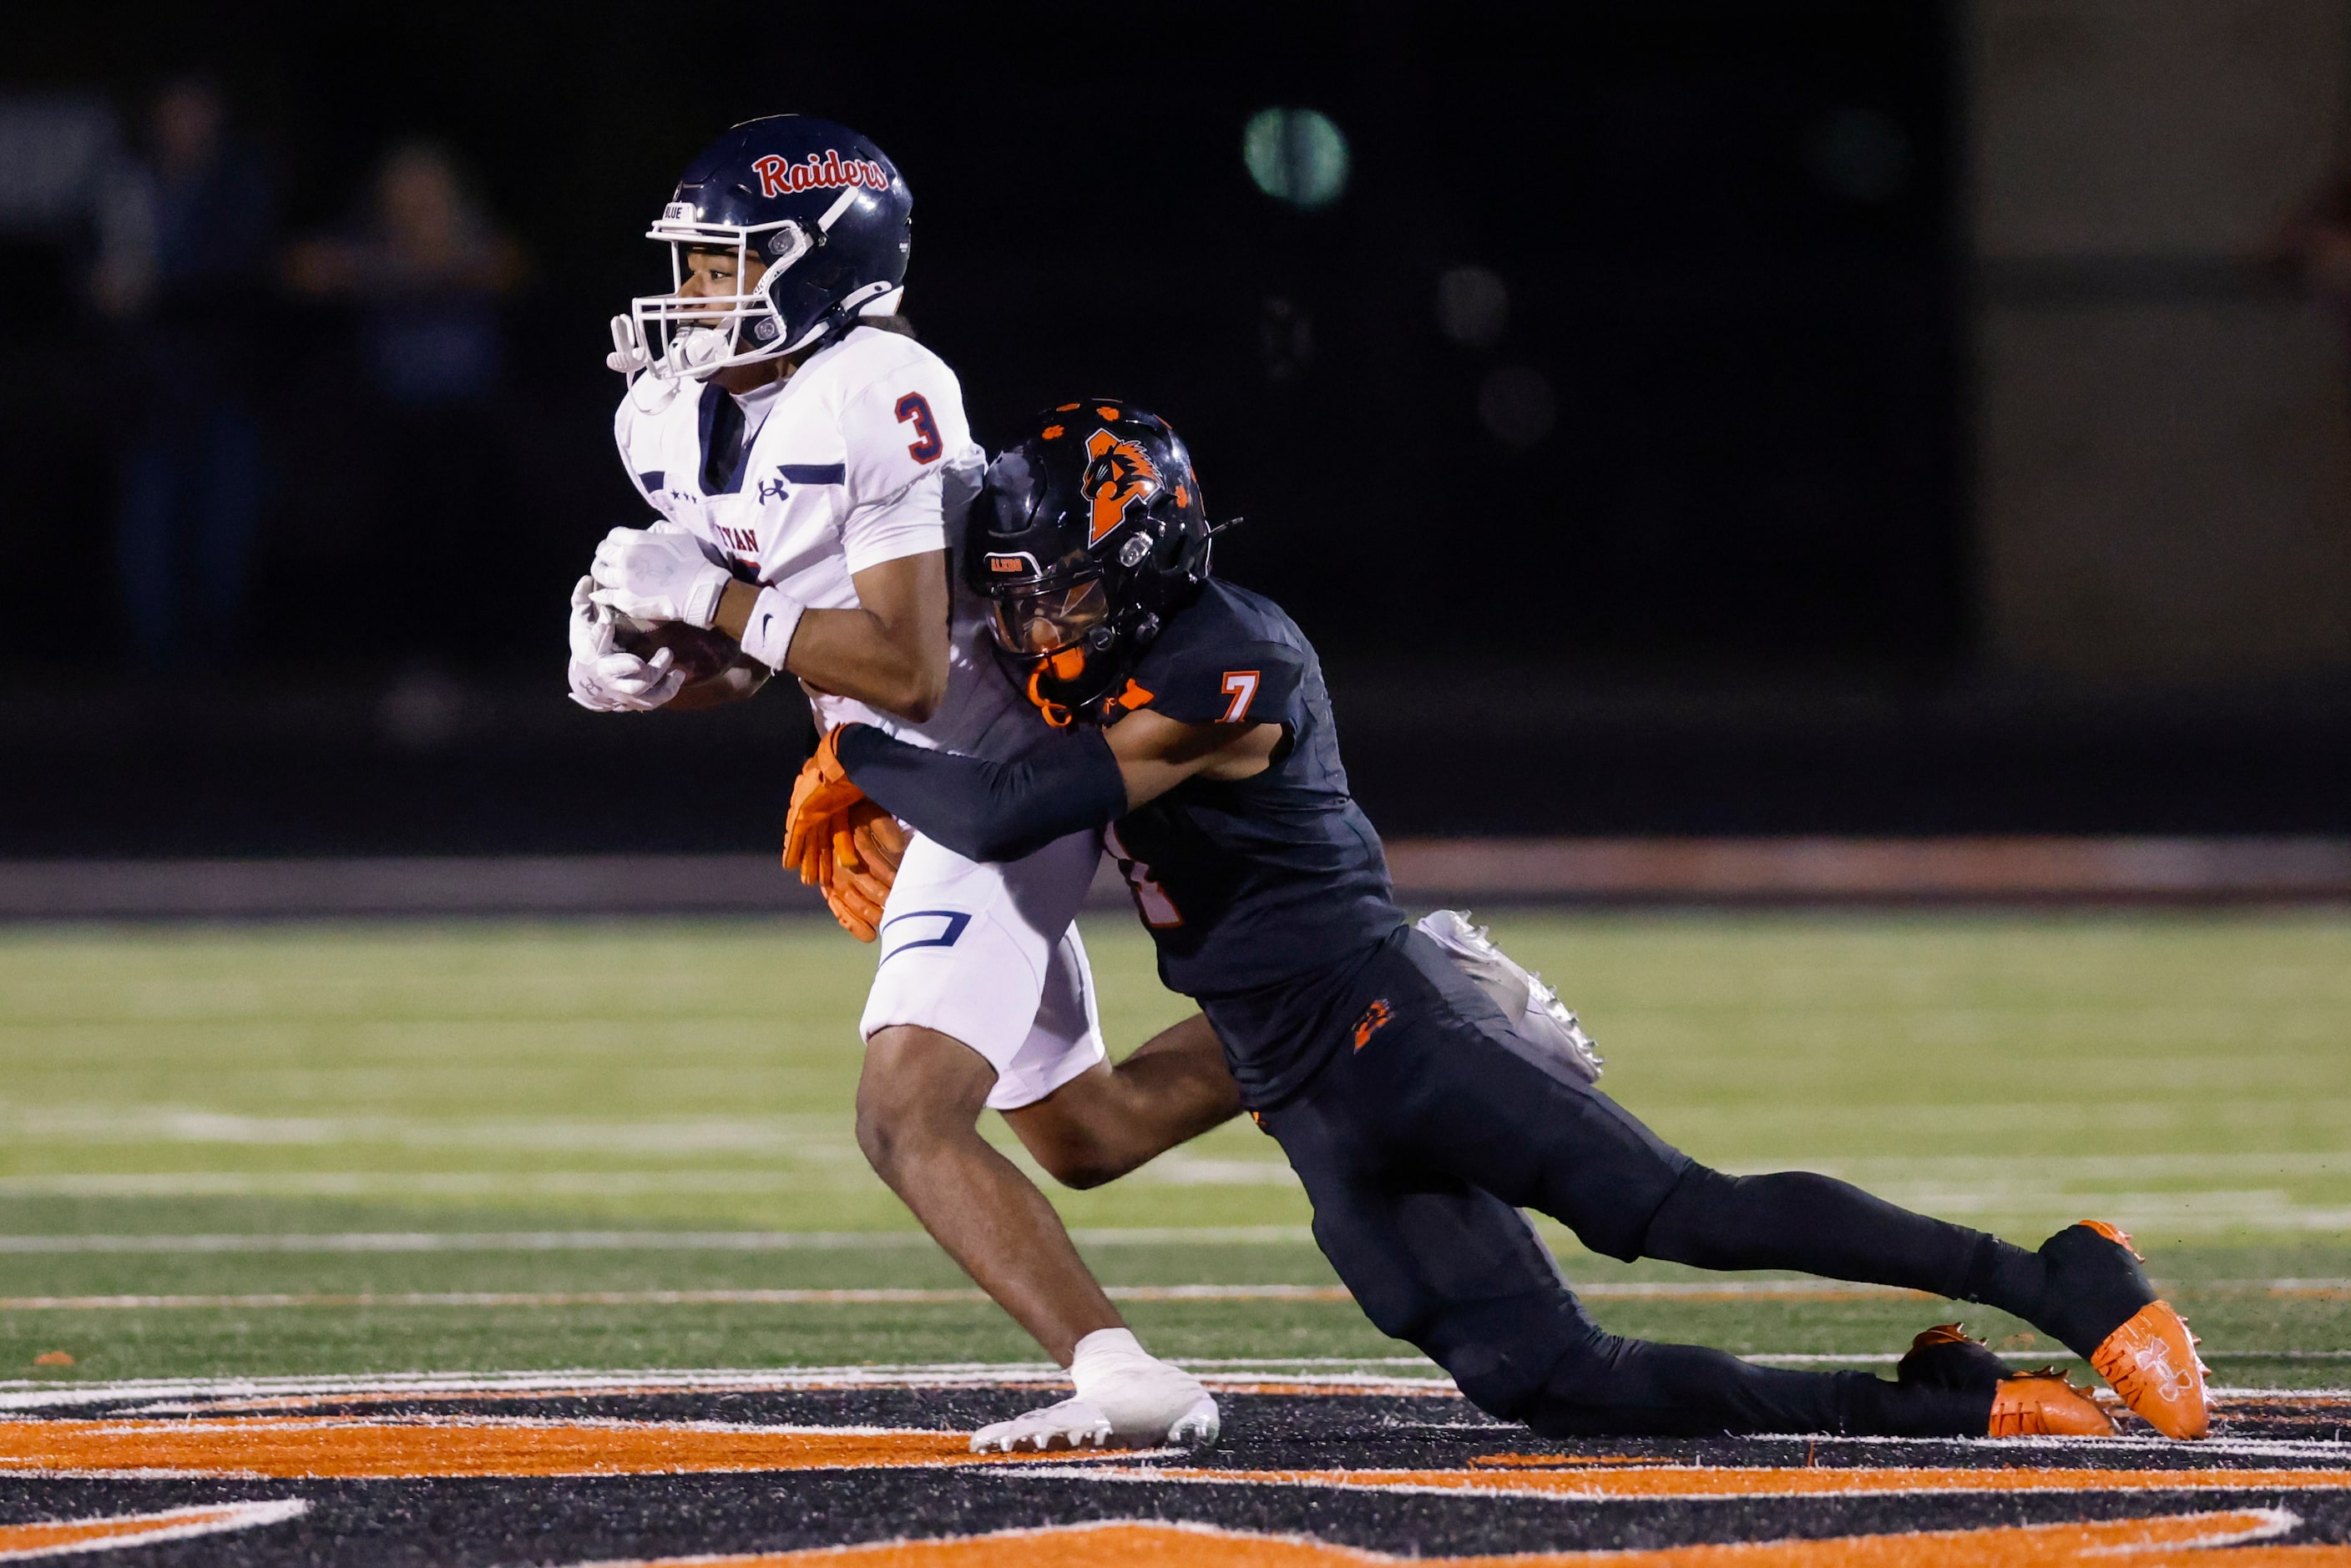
(1156, 753)
(889, 652)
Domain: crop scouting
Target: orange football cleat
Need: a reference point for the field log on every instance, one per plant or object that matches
(2044, 1404)
(2114, 1233)
(2151, 1362)
(2151, 1359)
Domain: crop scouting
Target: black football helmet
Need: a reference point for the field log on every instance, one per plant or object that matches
(1086, 537)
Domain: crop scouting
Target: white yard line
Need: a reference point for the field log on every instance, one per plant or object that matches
(28, 1395)
(1887, 1358)
(829, 1137)
(2018, 1203)
(415, 1184)
(626, 1240)
(755, 1298)
(1696, 1289)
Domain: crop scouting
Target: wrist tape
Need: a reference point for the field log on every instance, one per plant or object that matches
(767, 636)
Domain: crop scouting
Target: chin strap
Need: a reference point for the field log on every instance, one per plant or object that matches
(1065, 665)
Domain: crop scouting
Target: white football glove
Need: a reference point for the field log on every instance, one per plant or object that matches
(659, 574)
(603, 678)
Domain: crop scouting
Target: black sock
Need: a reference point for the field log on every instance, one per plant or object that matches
(1813, 1223)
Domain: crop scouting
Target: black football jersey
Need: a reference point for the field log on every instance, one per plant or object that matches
(1250, 885)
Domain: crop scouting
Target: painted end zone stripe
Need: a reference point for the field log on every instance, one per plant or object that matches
(192, 1394)
(286, 1446)
(65, 1536)
(1634, 1480)
(2105, 1543)
(249, 1393)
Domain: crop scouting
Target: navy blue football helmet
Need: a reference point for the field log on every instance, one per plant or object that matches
(1085, 537)
(820, 205)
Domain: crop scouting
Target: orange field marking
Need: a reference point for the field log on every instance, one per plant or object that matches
(1221, 1383)
(2179, 1542)
(418, 1447)
(61, 1537)
(1603, 1480)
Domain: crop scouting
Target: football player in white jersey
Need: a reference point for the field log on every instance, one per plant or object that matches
(812, 466)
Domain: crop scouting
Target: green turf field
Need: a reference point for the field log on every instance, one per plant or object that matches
(300, 1100)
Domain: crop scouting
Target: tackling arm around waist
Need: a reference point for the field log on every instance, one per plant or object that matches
(990, 810)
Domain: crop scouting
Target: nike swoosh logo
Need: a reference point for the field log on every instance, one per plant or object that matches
(766, 621)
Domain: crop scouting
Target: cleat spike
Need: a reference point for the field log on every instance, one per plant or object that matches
(1535, 1014)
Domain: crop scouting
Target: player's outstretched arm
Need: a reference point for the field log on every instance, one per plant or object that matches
(989, 810)
(890, 650)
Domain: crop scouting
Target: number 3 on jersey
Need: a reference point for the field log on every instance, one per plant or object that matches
(926, 445)
(1158, 909)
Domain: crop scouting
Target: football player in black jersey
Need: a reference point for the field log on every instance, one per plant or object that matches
(1421, 1121)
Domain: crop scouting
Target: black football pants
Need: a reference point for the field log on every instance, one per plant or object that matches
(1432, 1125)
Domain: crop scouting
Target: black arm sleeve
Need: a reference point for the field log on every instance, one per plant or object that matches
(989, 810)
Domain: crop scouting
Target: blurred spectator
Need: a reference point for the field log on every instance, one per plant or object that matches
(183, 268)
(427, 267)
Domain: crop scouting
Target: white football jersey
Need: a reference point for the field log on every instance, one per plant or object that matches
(860, 456)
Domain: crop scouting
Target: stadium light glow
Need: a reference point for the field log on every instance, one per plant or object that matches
(1296, 155)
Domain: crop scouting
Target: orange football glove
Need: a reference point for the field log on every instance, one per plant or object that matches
(842, 843)
(820, 792)
(881, 841)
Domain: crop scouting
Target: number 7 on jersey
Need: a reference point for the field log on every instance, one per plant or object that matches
(1241, 686)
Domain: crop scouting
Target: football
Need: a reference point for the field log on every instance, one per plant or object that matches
(702, 654)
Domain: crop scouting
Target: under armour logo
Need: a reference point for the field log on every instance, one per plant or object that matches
(2153, 1363)
(772, 490)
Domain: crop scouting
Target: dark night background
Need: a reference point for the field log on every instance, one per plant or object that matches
(1729, 589)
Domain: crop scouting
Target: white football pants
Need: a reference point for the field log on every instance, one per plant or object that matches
(990, 955)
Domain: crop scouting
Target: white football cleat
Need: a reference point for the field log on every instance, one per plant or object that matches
(1534, 1009)
(1151, 1402)
(1131, 1401)
(1197, 1427)
(1072, 1424)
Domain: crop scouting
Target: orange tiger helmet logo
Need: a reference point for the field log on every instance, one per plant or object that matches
(1118, 473)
